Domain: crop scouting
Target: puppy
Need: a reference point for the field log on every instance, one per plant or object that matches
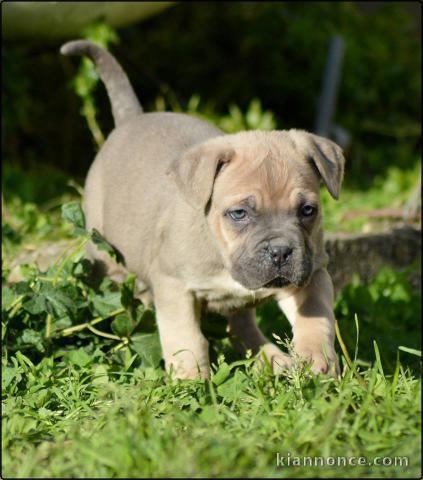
(209, 221)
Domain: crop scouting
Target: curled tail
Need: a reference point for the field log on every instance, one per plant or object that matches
(122, 97)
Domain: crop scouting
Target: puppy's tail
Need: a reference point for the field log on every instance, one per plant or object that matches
(122, 97)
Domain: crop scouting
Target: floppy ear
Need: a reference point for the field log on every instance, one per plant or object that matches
(326, 157)
(196, 170)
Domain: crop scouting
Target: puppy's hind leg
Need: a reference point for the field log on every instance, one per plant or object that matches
(245, 335)
(104, 265)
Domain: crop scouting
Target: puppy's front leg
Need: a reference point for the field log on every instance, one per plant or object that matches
(310, 312)
(184, 347)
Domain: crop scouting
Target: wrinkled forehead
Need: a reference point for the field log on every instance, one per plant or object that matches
(274, 175)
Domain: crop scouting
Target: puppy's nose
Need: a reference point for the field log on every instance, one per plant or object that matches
(280, 255)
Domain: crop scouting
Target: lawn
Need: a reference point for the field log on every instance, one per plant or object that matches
(77, 416)
(85, 394)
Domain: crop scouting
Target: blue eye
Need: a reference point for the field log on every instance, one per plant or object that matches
(238, 215)
(308, 210)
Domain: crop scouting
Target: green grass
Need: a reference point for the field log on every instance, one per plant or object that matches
(67, 419)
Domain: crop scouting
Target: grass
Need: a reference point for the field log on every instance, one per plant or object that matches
(62, 419)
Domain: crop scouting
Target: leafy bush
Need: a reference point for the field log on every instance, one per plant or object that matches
(235, 120)
(49, 307)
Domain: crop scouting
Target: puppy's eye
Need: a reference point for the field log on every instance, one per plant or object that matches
(307, 210)
(239, 214)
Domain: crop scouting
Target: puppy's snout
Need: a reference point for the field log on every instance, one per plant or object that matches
(280, 255)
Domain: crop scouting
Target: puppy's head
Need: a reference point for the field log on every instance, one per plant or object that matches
(260, 193)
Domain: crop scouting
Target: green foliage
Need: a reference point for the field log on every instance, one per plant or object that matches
(47, 307)
(16, 85)
(72, 212)
(27, 223)
(388, 310)
(31, 209)
(35, 184)
(235, 120)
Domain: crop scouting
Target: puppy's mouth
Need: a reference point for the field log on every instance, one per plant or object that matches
(277, 282)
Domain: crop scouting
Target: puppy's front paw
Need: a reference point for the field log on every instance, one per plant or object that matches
(322, 360)
(278, 360)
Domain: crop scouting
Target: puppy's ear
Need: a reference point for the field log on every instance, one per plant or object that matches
(196, 170)
(325, 155)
